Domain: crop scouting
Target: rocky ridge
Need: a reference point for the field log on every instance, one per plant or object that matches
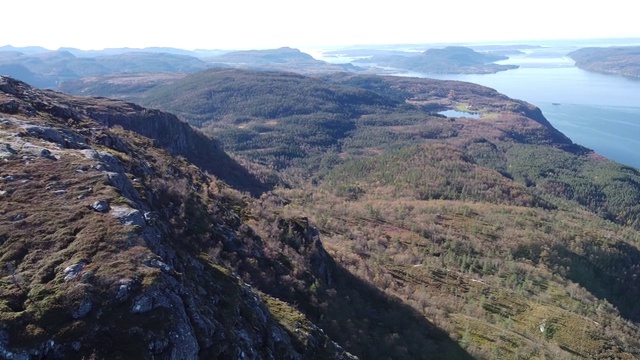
(103, 246)
(167, 132)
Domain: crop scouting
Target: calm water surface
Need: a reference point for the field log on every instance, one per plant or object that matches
(459, 114)
(601, 112)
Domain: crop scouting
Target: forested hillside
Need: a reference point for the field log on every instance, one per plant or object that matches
(493, 228)
(448, 60)
(406, 234)
(622, 60)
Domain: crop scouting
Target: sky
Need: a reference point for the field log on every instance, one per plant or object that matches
(263, 24)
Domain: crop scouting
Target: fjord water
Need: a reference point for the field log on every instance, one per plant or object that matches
(601, 112)
(613, 131)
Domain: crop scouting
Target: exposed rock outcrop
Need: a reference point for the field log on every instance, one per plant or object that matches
(167, 131)
(101, 252)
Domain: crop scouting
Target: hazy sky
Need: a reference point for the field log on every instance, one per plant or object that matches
(243, 24)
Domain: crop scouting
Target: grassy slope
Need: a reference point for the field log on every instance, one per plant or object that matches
(489, 274)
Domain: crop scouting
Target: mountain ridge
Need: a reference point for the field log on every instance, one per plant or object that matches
(169, 133)
(47, 69)
(113, 248)
(113, 270)
(111, 51)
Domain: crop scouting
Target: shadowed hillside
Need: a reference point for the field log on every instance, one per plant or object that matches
(112, 247)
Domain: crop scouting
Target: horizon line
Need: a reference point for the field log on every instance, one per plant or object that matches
(483, 42)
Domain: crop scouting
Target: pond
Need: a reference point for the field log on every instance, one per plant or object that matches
(459, 114)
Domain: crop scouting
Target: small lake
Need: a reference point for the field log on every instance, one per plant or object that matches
(459, 114)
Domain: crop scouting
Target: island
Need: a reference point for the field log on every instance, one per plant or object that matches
(449, 60)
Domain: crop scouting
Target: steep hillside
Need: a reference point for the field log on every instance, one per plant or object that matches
(101, 253)
(110, 247)
(177, 137)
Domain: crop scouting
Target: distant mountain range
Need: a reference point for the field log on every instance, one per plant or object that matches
(49, 69)
(32, 50)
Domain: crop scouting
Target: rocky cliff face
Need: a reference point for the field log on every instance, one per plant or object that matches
(109, 245)
(168, 133)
